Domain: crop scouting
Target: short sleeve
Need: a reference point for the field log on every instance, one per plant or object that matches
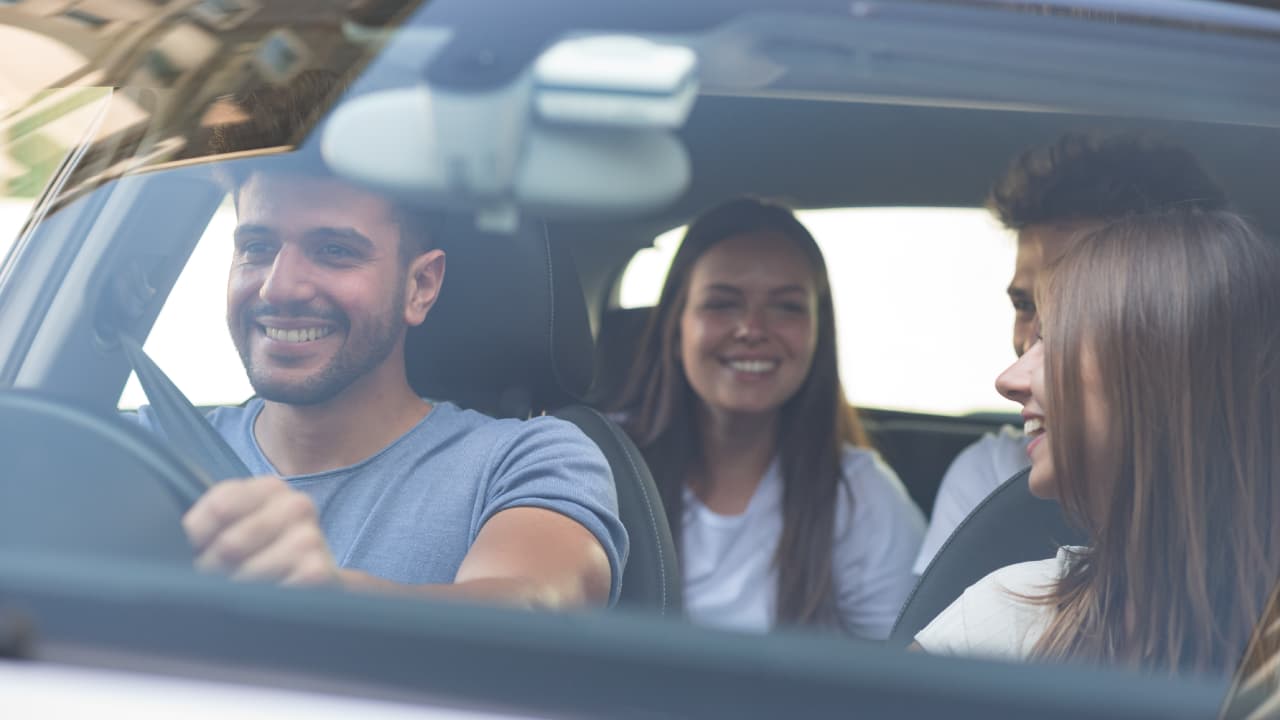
(875, 546)
(548, 463)
(977, 471)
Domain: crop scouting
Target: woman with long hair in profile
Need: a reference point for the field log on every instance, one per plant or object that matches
(1153, 399)
(782, 515)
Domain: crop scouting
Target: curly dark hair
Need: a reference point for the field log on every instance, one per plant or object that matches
(1089, 176)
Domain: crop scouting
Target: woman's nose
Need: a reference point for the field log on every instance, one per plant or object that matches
(751, 325)
(1015, 382)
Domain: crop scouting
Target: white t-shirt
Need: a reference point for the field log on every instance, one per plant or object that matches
(729, 576)
(993, 618)
(977, 471)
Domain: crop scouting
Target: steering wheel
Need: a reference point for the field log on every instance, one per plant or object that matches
(85, 483)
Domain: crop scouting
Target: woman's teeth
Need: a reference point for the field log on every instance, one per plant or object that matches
(753, 366)
(1032, 426)
(297, 336)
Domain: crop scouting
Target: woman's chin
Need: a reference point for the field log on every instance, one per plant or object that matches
(1041, 484)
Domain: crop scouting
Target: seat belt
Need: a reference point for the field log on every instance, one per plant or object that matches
(187, 429)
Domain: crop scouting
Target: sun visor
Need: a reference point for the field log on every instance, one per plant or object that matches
(561, 142)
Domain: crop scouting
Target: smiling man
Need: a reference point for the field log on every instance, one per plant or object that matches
(358, 481)
(1048, 196)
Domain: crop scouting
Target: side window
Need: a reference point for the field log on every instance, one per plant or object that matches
(190, 341)
(922, 319)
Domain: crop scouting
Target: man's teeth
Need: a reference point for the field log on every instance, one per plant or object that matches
(302, 335)
(753, 366)
(1033, 426)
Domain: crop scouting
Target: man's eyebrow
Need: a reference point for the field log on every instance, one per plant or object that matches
(344, 234)
(252, 229)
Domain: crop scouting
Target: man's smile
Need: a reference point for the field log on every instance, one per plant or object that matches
(296, 335)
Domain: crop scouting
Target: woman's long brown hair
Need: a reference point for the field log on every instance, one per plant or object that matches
(1179, 312)
(815, 424)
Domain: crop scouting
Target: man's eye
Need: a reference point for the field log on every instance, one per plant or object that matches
(256, 248)
(336, 252)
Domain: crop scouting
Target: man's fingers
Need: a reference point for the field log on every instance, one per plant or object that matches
(282, 558)
(314, 569)
(225, 504)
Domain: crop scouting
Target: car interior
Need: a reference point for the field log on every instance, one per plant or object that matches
(885, 105)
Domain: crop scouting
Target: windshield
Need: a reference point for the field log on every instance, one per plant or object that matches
(661, 285)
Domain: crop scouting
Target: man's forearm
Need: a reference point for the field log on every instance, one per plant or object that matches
(527, 593)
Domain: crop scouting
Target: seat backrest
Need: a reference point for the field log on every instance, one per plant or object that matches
(509, 336)
(652, 579)
(509, 333)
(617, 344)
(1010, 526)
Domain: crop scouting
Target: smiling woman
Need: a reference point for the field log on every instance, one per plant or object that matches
(1177, 491)
(891, 354)
(782, 514)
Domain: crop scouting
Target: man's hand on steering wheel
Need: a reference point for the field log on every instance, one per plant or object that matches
(260, 529)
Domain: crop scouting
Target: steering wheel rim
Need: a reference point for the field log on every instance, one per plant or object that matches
(84, 482)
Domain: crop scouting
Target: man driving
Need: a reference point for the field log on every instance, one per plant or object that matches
(358, 481)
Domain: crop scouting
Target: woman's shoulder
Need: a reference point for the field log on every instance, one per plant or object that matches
(866, 475)
(858, 462)
(874, 498)
(1001, 616)
(1032, 578)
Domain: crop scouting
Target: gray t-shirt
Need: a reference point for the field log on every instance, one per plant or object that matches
(410, 512)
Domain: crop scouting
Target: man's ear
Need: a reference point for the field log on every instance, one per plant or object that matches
(422, 285)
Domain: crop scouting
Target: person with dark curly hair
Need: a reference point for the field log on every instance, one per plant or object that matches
(1149, 388)
(1048, 195)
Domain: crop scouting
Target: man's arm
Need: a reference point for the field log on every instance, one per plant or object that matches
(525, 556)
(262, 529)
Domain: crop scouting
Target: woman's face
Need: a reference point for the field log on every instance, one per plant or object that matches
(750, 324)
(1023, 382)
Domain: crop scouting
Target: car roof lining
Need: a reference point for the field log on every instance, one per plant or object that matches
(816, 154)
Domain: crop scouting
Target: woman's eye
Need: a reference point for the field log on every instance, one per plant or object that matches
(1025, 307)
(793, 308)
(719, 305)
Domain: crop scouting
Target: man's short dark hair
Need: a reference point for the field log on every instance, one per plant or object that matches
(1086, 176)
(271, 116)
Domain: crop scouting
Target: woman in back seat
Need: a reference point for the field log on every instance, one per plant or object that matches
(782, 515)
(1153, 404)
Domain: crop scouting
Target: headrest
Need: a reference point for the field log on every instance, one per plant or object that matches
(617, 344)
(509, 334)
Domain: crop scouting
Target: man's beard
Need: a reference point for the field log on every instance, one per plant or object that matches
(358, 356)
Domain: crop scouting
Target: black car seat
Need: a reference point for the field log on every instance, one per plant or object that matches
(1010, 526)
(509, 337)
(621, 330)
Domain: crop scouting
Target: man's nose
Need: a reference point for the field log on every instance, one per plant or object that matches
(1015, 382)
(289, 280)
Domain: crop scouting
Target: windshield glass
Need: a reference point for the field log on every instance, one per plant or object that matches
(780, 274)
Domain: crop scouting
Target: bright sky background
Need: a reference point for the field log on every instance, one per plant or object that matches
(922, 318)
(921, 313)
